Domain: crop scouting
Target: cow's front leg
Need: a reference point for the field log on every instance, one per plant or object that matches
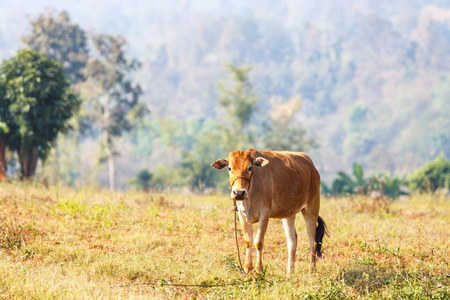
(247, 229)
(259, 241)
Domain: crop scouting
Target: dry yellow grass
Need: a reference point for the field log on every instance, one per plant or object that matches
(62, 243)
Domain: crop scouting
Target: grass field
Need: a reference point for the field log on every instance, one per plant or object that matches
(62, 243)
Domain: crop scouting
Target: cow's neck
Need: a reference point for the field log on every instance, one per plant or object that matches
(245, 208)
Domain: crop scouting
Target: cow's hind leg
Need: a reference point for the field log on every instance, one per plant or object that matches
(291, 234)
(247, 229)
(311, 221)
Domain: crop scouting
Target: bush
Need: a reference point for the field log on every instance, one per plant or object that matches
(434, 175)
(345, 184)
(142, 180)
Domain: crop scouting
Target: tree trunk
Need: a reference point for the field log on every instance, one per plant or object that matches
(110, 156)
(28, 162)
(55, 174)
(23, 160)
(112, 173)
(107, 144)
(3, 176)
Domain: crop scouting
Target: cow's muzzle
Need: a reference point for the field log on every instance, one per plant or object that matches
(239, 195)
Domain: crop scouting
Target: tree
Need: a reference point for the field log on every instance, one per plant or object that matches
(40, 103)
(6, 122)
(199, 142)
(115, 105)
(204, 146)
(281, 131)
(60, 39)
(238, 103)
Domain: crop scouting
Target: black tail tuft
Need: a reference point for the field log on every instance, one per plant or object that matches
(321, 230)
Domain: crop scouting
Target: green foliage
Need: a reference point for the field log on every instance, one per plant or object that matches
(4, 105)
(196, 165)
(102, 214)
(392, 187)
(356, 184)
(434, 175)
(346, 184)
(7, 122)
(203, 142)
(40, 105)
(165, 177)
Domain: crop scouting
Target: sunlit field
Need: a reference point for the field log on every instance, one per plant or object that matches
(63, 243)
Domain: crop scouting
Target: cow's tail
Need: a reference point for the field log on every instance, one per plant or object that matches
(321, 230)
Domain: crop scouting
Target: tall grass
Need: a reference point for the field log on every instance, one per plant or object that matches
(62, 243)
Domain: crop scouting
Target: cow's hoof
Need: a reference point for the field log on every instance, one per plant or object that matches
(248, 268)
(259, 270)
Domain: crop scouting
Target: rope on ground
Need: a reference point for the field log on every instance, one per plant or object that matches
(235, 235)
(204, 285)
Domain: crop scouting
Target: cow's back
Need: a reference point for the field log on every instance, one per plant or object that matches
(288, 181)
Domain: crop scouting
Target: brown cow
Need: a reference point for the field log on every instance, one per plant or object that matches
(275, 184)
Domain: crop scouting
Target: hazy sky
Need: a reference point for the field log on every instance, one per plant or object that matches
(131, 17)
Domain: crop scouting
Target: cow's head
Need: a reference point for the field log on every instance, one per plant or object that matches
(240, 169)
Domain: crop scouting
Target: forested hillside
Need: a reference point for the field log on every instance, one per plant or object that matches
(373, 77)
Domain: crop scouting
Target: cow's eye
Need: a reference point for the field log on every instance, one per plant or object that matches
(229, 169)
(249, 169)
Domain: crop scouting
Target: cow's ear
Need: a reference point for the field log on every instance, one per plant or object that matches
(220, 164)
(260, 162)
